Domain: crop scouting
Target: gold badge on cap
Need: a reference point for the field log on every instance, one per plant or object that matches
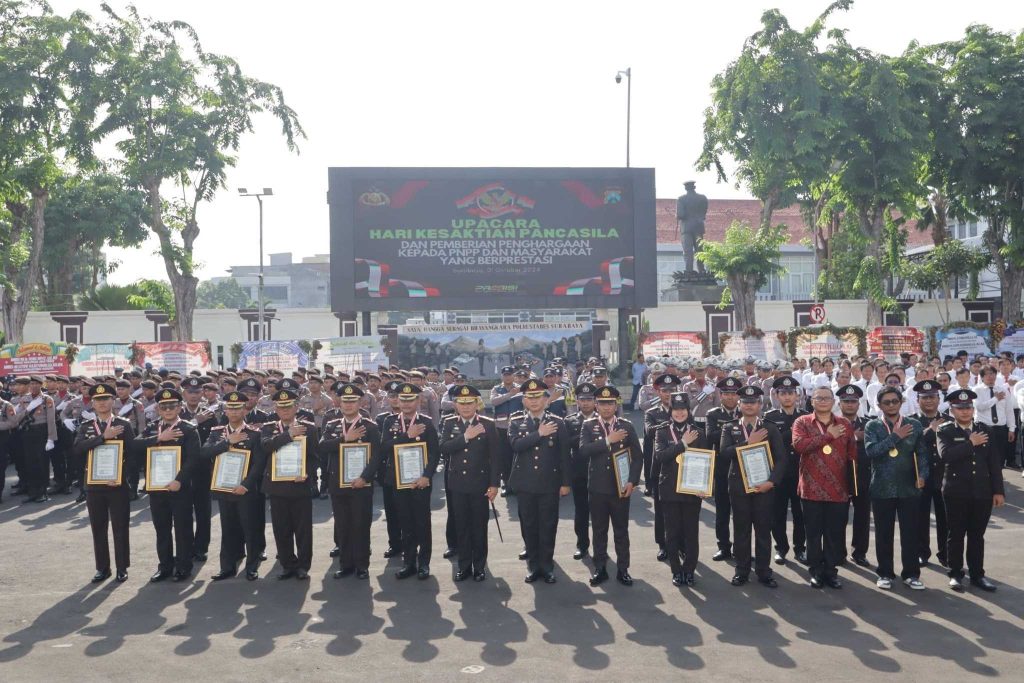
(101, 390)
(605, 393)
(167, 394)
(348, 390)
(465, 391)
(406, 390)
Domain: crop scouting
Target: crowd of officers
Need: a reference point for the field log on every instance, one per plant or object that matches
(893, 442)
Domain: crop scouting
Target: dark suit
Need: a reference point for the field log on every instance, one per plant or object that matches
(352, 507)
(473, 467)
(291, 508)
(388, 491)
(201, 501)
(861, 501)
(932, 494)
(606, 504)
(653, 418)
(786, 497)
(580, 495)
(717, 419)
(681, 511)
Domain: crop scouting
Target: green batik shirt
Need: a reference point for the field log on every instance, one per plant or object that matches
(893, 477)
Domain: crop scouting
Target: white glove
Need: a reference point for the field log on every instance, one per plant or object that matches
(49, 445)
(35, 404)
(88, 415)
(125, 409)
(70, 424)
(708, 389)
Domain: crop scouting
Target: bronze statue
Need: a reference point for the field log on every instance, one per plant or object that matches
(691, 209)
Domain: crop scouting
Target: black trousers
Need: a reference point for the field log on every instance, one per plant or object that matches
(659, 519)
(929, 496)
(37, 461)
(172, 520)
(292, 520)
(5, 453)
(967, 517)
(505, 449)
(1000, 441)
(133, 464)
(605, 508)
(647, 448)
(786, 498)
(581, 519)
(451, 537)
(353, 513)
(861, 522)
(240, 532)
(109, 507)
(470, 513)
(752, 511)
(203, 507)
(886, 511)
(538, 519)
(60, 456)
(414, 516)
(682, 520)
(391, 517)
(826, 531)
(723, 505)
(261, 523)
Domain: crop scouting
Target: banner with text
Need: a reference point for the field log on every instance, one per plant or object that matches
(34, 358)
(969, 339)
(890, 342)
(815, 344)
(678, 344)
(481, 350)
(352, 353)
(101, 359)
(181, 357)
(768, 347)
(272, 355)
(1013, 341)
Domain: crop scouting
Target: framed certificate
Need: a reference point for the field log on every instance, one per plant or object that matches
(620, 464)
(756, 464)
(162, 465)
(289, 461)
(410, 461)
(352, 460)
(696, 472)
(104, 464)
(229, 470)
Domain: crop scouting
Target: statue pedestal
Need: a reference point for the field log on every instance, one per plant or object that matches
(694, 287)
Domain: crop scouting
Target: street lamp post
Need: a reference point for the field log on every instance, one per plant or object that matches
(267, 192)
(628, 73)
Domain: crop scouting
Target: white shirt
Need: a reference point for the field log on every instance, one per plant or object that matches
(987, 400)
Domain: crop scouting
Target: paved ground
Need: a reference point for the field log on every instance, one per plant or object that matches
(55, 625)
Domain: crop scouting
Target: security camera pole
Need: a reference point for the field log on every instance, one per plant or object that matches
(267, 192)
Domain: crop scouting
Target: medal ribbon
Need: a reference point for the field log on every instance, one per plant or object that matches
(401, 421)
(894, 427)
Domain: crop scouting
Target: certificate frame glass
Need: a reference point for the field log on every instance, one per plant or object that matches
(360, 452)
(108, 449)
(154, 453)
(620, 465)
(759, 454)
(276, 474)
(692, 457)
(404, 478)
(231, 454)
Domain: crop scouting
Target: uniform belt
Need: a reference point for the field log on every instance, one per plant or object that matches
(700, 420)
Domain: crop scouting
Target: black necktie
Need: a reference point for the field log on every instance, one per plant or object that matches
(995, 413)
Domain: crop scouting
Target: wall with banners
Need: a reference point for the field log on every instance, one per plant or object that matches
(767, 347)
(890, 342)
(101, 359)
(678, 344)
(949, 340)
(34, 358)
(828, 340)
(351, 353)
(1013, 340)
(272, 355)
(180, 357)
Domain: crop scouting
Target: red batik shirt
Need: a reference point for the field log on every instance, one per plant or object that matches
(823, 476)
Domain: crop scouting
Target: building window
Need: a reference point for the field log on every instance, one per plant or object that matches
(668, 263)
(275, 293)
(972, 229)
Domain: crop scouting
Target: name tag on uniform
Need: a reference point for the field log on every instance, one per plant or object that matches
(959, 438)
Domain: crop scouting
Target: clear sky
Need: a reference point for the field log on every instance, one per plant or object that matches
(470, 83)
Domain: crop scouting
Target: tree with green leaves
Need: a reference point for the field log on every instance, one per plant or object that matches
(154, 295)
(225, 293)
(178, 114)
(746, 260)
(945, 264)
(114, 298)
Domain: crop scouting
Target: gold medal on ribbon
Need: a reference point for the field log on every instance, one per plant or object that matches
(826, 449)
(893, 452)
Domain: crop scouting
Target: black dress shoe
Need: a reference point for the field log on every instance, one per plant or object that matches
(301, 574)
(344, 571)
(263, 556)
(780, 558)
(423, 573)
(688, 579)
(817, 582)
(523, 555)
(178, 577)
(579, 554)
(599, 576)
(134, 495)
(624, 578)
(833, 582)
(461, 576)
(337, 551)
(122, 576)
(800, 556)
(942, 560)
(101, 575)
(648, 493)
(530, 578)
(480, 576)
(768, 581)
(160, 575)
(80, 498)
(738, 580)
(842, 562)
(251, 575)
(390, 552)
(449, 553)
(956, 583)
(861, 561)
(662, 555)
(362, 574)
(41, 498)
(199, 557)
(286, 574)
(984, 584)
(405, 572)
(550, 578)
(504, 492)
(922, 561)
(677, 579)
(223, 574)
(721, 556)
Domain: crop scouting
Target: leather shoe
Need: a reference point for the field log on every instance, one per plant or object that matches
(287, 574)
(833, 582)
(160, 576)
(738, 580)
(449, 553)
(461, 576)
(251, 575)
(301, 574)
(624, 578)
(335, 551)
(530, 578)
(344, 571)
(800, 556)
(816, 582)
(405, 572)
(598, 577)
(861, 561)
(780, 558)
(984, 584)
(423, 573)
(221, 575)
(263, 556)
(80, 498)
(662, 555)
(199, 557)
(362, 574)
(956, 583)
(121, 576)
(178, 577)
(942, 560)
(721, 556)
(523, 555)
(390, 552)
(688, 579)
(579, 554)
(480, 576)
(648, 493)
(677, 579)
(550, 578)
(768, 581)
(101, 575)
(41, 498)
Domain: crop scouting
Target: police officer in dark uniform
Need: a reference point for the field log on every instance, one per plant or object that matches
(752, 509)
(413, 503)
(351, 498)
(291, 507)
(785, 496)
(204, 420)
(239, 517)
(470, 443)
(849, 397)
(717, 420)
(541, 472)
(580, 466)
(171, 508)
(385, 476)
(601, 438)
(107, 501)
(654, 417)
(928, 397)
(680, 510)
(972, 485)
